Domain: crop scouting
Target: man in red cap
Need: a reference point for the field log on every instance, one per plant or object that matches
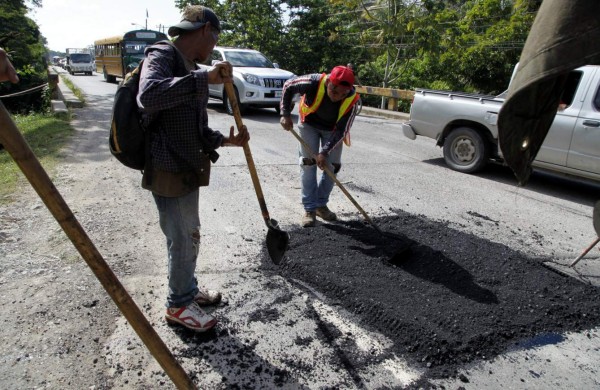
(327, 110)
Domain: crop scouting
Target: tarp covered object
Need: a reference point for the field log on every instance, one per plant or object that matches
(565, 35)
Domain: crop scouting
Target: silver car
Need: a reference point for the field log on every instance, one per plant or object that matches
(258, 82)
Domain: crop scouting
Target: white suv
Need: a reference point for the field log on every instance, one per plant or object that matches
(258, 81)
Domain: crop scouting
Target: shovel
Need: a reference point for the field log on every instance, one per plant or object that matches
(277, 239)
(402, 253)
(336, 181)
(596, 222)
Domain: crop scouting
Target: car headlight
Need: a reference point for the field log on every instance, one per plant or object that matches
(252, 79)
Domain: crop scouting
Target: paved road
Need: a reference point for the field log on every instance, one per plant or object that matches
(550, 217)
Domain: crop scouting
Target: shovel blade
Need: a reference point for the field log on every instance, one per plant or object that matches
(277, 241)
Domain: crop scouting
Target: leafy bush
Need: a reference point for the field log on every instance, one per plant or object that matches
(21, 38)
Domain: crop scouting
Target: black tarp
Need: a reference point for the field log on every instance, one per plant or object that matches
(565, 35)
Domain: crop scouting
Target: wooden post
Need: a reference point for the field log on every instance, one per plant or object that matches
(19, 150)
(392, 104)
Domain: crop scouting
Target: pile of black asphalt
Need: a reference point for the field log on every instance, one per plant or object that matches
(444, 297)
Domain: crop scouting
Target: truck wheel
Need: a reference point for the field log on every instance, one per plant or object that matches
(227, 103)
(465, 150)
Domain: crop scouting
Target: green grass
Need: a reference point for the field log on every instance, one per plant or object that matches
(76, 91)
(45, 135)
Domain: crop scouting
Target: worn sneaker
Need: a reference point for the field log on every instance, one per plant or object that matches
(309, 219)
(326, 214)
(207, 297)
(191, 316)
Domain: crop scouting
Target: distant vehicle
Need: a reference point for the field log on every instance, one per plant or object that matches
(465, 125)
(257, 81)
(79, 61)
(116, 56)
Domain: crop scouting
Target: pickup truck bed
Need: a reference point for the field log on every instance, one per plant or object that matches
(465, 126)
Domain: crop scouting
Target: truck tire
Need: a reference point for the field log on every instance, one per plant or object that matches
(465, 150)
(227, 103)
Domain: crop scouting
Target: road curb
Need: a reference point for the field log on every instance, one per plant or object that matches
(65, 94)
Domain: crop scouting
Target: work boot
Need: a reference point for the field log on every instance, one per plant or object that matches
(326, 214)
(191, 316)
(309, 219)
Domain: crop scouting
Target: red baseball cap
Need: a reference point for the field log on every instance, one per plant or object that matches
(342, 76)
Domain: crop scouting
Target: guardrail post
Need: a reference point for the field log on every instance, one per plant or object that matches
(392, 104)
(53, 83)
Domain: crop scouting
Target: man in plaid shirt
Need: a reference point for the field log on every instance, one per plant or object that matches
(173, 97)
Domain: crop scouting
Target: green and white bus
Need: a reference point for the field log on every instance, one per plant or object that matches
(115, 56)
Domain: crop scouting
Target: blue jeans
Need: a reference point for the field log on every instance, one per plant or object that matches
(180, 224)
(316, 194)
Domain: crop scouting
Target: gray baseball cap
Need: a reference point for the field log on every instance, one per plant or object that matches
(194, 17)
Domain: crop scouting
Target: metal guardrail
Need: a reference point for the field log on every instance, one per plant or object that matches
(392, 94)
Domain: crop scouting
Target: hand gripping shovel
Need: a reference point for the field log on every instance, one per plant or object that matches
(277, 239)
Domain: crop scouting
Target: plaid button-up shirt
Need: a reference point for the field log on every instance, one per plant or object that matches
(174, 99)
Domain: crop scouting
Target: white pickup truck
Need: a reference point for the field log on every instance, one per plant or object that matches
(465, 125)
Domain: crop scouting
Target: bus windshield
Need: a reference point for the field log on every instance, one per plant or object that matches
(133, 47)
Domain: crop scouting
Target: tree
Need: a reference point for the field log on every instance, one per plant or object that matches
(255, 24)
(303, 36)
(470, 45)
(21, 38)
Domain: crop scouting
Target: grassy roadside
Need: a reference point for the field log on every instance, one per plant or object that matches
(46, 135)
(76, 91)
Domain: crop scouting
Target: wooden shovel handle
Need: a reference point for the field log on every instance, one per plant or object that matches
(249, 160)
(17, 147)
(335, 179)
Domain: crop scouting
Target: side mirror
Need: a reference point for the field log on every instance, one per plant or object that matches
(276, 65)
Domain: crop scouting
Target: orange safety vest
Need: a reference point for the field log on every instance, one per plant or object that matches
(346, 105)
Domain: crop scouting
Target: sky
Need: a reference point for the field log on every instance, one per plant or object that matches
(78, 23)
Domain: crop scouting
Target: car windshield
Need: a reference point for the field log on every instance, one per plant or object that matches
(81, 58)
(248, 58)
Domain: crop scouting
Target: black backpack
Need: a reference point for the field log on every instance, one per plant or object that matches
(128, 140)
